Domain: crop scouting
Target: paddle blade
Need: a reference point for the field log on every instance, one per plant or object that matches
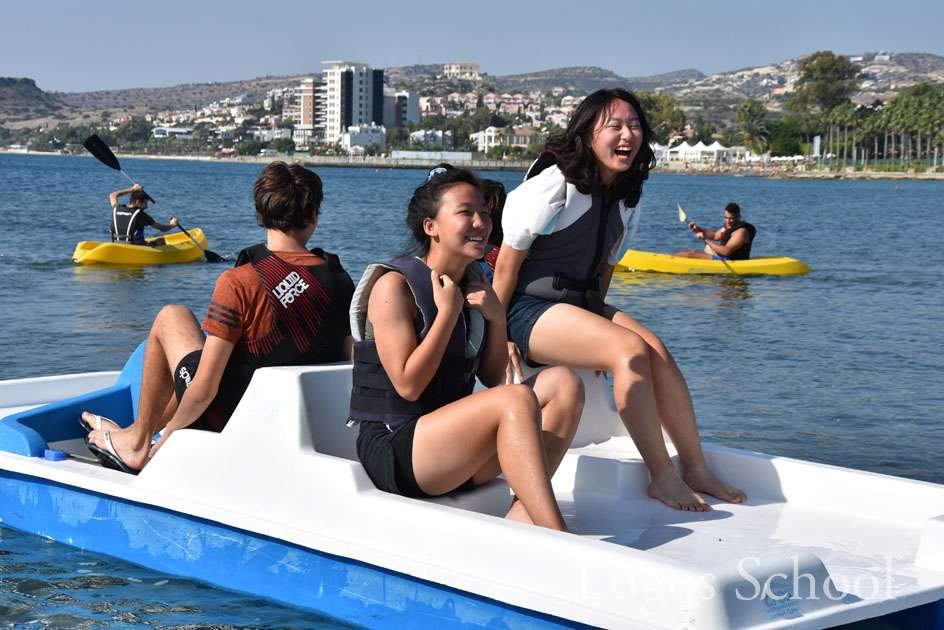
(213, 257)
(97, 147)
(682, 216)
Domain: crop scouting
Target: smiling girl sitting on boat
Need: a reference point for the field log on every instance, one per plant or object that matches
(424, 328)
(563, 233)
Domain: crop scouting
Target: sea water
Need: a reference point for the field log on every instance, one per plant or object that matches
(841, 366)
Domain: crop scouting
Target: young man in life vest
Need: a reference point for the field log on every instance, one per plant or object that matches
(281, 305)
(128, 221)
(734, 238)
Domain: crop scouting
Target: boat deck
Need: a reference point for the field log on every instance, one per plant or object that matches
(815, 546)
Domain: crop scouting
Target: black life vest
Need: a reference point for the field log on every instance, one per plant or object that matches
(744, 251)
(564, 266)
(126, 223)
(309, 306)
(373, 397)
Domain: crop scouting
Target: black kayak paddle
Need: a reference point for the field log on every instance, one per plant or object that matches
(97, 147)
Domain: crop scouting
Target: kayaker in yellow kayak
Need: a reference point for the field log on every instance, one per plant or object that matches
(734, 238)
(128, 221)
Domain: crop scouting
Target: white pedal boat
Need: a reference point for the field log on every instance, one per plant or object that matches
(278, 506)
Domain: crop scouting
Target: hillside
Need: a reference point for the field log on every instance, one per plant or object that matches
(886, 74)
(585, 79)
(186, 96)
(20, 99)
(416, 72)
(575, 80)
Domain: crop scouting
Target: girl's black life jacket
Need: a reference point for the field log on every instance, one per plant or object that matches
(373, 397)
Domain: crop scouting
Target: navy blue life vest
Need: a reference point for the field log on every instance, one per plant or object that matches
(373, 397)
(309, 306)
(564, 266)
(744, 251)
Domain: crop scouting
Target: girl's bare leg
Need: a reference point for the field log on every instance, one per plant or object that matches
(560, 394)
(458, 441)
(678, 415)
(595, 343)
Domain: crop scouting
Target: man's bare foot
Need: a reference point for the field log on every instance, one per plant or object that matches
(122, 441)
(672, 491)
(96, 422)
(703, 480)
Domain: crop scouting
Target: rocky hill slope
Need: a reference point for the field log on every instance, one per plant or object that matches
(190, 95)
(20, 99)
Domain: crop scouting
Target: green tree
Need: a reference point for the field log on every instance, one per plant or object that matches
(786, 136)
(283, 145)
(133, 132)
(663, 113)
(398, 138)
(731, 137)
(704, 131)
(751, 118)
(250, 147)
(825, 80)
(751, 110)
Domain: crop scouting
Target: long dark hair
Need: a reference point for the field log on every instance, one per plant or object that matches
(575, 156)
(494, 194)
(425, 204)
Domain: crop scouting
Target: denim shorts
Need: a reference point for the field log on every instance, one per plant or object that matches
(523, 312)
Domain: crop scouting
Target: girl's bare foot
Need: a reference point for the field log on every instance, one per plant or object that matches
(703, 480)
(672, 491)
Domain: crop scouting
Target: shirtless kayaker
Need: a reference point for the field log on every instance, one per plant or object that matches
(734, 238)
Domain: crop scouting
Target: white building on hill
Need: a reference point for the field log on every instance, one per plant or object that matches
(462, 70)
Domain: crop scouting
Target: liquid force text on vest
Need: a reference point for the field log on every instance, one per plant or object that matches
(290, 288)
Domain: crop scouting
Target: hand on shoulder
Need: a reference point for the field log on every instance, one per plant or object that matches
(480, 296)
(446, 295)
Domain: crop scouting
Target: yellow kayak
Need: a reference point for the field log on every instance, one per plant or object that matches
(178, 249)
(664, 263)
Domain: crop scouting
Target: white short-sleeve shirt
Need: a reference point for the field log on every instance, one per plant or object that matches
(547, 203)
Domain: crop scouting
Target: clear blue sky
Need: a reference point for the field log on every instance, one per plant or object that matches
(77, 46)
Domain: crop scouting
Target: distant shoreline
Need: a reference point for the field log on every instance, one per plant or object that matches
(769, 171)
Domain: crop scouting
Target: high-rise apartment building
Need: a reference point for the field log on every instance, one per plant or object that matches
(307, 99)
(400, 107)
(352, 95)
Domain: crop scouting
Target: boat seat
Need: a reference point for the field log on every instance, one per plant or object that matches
(323, 411)
(30, 432)
(323, 420)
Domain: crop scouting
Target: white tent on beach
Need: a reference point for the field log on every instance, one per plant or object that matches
(661, 151)
(700, 152)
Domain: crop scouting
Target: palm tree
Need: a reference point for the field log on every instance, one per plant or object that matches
(750, 117)
(756, 135)
(846, 116)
